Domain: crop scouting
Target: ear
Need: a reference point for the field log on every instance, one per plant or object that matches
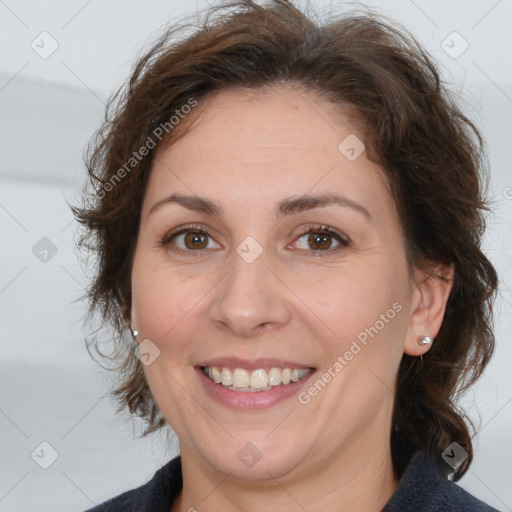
(133, 320)
(428, 304)
(130, 318)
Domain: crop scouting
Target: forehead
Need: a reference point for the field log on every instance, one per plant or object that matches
(279, 116)
(265, 144)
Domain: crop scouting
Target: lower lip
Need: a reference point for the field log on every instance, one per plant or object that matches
(248, 399)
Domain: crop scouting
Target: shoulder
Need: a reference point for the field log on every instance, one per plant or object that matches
(424, 487)
(156, 495)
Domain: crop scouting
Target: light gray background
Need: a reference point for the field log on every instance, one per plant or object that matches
(50, 390)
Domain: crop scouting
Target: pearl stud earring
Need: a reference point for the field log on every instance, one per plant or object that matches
(424, 340)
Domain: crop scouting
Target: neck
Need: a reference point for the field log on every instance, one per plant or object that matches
(357, 480)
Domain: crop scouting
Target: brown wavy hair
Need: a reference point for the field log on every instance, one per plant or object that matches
(433, 156)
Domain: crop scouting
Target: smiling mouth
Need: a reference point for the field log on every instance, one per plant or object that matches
(261, 379)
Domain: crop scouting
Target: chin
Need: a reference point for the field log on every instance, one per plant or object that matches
(254, 457)
(277, 465)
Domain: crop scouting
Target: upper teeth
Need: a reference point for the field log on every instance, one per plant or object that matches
(255, 379)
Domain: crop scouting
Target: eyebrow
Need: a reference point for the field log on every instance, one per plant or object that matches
(288, 206)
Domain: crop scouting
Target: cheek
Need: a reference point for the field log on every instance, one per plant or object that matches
(341, 297)
(356, 303)
(365, 311)
(159, 299)
(169, 305)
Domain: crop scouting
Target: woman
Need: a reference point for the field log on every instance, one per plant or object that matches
(287, 218)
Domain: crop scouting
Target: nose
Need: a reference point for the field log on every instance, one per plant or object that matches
(251, 299)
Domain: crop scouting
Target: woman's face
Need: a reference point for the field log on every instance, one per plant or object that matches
(252, 281)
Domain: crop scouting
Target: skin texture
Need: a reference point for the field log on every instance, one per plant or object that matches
(246, 152)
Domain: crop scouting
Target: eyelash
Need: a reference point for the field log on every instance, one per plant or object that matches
(322, 229)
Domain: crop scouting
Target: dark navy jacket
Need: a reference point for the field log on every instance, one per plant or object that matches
(423, 487)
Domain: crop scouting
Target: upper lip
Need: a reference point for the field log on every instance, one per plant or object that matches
(252, 364)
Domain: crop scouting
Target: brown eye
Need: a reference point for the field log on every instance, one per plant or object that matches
(189, 239)
(320, 241)
(194, 240)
